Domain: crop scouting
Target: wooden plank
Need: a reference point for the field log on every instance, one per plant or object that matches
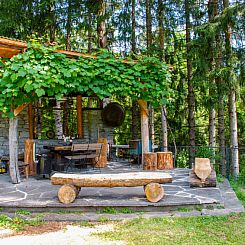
(111, 180)
(19, 109)
(79, 117)
(13, 150)
(8, 52)
(13, 43)
(144, 126)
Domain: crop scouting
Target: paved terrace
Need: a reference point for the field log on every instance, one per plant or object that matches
(38, 195)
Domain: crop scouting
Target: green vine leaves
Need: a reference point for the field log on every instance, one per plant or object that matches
(41, 72)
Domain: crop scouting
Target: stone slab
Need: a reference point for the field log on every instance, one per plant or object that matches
(41, 195)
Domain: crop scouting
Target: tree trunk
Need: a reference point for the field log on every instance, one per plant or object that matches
(212, 12)
(233, 133)
(58, 120)
(68, 26)
(101, 25)
(134, 111)
(232, 100)
(160, 14)
(52, 22)
(221, 122)
(148, 25)
(133, 37)
(13, 150)
(89, 32)
(164, 129)
(144, 126)
(191, 95)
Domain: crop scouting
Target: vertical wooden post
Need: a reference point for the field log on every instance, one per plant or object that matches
(30, 121)
(13, 150)
(144, 126)
(79, 117)
(29, 156)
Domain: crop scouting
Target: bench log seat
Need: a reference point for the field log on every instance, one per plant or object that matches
(72, 183)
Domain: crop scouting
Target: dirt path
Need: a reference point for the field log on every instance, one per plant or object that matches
(66, 234)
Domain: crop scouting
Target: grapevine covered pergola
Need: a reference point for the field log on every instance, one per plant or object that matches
(31, 71)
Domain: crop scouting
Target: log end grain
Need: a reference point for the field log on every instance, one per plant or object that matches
(67, 194)
(154, 192)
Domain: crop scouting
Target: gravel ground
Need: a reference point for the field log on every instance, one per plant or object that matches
(68, 235)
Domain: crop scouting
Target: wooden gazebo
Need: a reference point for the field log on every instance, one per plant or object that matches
(10, 48)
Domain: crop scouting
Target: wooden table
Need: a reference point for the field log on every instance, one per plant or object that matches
(56, 154)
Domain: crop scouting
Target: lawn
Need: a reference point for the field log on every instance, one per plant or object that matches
(192, 230)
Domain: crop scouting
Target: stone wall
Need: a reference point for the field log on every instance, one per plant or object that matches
(93, 128)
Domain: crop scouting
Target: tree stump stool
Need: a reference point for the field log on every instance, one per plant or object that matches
(150, 161)
(164, 160)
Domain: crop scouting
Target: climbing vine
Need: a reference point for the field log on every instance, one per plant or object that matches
(41, 72)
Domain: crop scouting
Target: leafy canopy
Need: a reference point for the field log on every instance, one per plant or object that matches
(42, 72)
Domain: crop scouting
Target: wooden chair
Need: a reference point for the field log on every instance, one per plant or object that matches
(93, 154)
(78, 155)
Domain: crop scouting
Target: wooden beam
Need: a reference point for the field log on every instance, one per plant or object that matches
(79, 117)
(144, 126)
(30, 121)
(13, 43)
(8, 52)
(19, 109)
(13, 150)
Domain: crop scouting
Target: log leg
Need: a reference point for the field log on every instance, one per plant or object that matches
(78, 189)
(154, 192)
(67, 193)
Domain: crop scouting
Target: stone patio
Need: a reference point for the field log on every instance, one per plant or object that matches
(40, 196)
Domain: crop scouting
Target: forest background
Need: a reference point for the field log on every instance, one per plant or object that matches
(201, 41)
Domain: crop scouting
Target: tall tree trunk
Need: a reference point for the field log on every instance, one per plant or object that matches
(13, 150)
(134, 111)
(221, 122)
(133, 36)
(149, 48)
(148, 25)
(232, 101)
(89, 32)
(52, 22)
(160, 14)
(68, 26)
(191, 95)
(101, 24)
(58, 120)
(212, 12)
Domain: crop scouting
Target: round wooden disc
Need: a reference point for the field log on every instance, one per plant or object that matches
(154, 192)
(67, 193)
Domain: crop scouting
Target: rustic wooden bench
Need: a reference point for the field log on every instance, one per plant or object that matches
(72, 183)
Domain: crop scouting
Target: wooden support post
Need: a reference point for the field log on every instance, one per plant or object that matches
(29, 156)
(144, 126)
(79, 117)
(13, 150)
(30, 121)
(103, 156)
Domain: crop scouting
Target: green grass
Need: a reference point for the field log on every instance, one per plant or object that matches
(23, 211)
(192, 230)
(17, 223)
(239, 189)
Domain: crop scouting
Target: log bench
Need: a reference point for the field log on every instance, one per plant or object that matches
(72, 183)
